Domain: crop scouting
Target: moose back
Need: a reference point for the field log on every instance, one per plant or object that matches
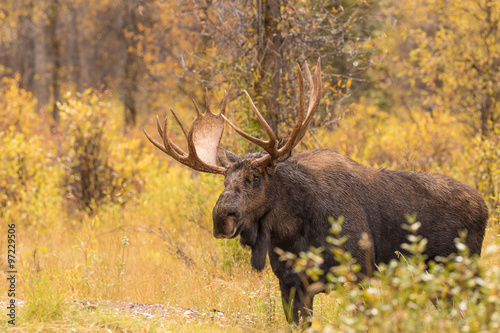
(276, 199)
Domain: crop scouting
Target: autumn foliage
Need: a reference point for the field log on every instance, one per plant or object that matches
(101, 215)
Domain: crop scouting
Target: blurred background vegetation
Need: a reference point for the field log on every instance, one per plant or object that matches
(102, 215)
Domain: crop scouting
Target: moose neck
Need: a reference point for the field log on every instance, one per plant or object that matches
(293, 190)
(290, 196)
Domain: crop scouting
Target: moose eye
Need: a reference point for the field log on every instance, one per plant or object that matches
(256, 179)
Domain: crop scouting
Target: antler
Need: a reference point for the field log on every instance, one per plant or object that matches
(303, 120)
(203, 139)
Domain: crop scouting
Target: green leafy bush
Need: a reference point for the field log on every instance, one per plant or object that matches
(399, 297)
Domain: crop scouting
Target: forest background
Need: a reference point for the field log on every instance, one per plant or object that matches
(101, 215)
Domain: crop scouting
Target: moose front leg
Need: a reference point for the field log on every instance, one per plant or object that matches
(297, 304)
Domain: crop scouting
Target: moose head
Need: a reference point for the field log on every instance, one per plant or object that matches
(247, 196)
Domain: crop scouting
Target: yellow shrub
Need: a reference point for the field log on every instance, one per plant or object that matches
(483, 168)
(28, 174)
(17, 106)
(101, 166)
(28, 178)
(377, 138)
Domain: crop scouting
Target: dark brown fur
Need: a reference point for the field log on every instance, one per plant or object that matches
(288, 206)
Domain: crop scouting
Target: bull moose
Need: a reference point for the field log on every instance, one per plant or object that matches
(276, 199)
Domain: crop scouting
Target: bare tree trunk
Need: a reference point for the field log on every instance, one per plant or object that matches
(486, 115)
(130, 88)
(26, 50)
(206, 42)
(56, 55)
(131, 65)
(42, 75)
(29, 71)
(75, 57)
(269, 53)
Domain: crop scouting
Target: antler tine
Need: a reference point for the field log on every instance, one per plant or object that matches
(154, 142)
(258, 142)
(309, 76)
(181, 124)
(300, 127)
(166, 149)
(316, 91)
(176, 151)
(196, 106)
(315, 87)
(205, 133)
(302, 98)
(262, 121)
(159, 128)
(270, 146)
(207, 101)
(223, 103)
(302, 109)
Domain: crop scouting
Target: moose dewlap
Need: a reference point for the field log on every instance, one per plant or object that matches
(274, 199)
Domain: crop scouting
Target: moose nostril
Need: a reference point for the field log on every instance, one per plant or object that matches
(232, 214)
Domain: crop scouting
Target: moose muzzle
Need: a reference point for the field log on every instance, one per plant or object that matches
(225, 217)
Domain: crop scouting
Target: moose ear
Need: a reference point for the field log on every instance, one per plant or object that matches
(226, 157)
(271, 168)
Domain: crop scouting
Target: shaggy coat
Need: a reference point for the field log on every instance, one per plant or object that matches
(289, 204)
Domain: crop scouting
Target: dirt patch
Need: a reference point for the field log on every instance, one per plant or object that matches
(159, 311)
